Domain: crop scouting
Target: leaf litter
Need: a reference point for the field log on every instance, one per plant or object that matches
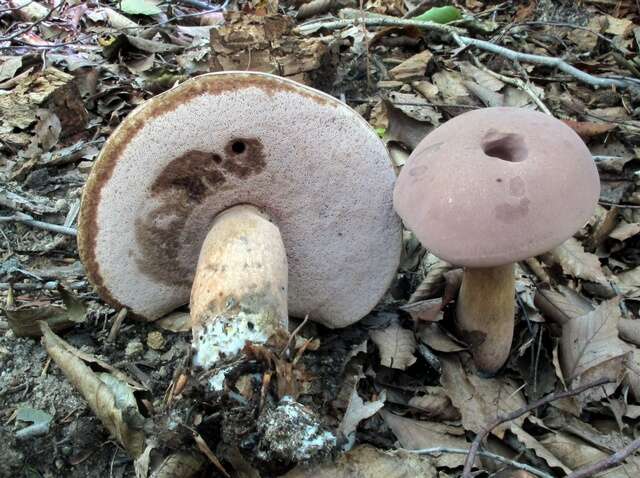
(71, 71)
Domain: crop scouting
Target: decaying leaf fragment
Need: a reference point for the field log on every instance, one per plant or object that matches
(109, 395)
(396, 346)
(590, 348)
(358, 410)
(25, 321)
(577, 263)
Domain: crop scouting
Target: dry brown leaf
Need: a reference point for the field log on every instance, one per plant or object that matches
(629, 282)
(575, 262)
(482, 78)
(571, 450)
(358, 410)
(396, 346)
(629, 330)
(633, 373)
(425, 310)
(436, 404)
(433, 269)
(619, 26)
(100, 395)
(366, 461)
(451, 86)
(587, 130)
(413, 68)
(433, 335)
(561, 305)
(590, 348)
(403, 128)
(417, 434)
(539, 449)
(480, 400)
(624, 231)
(175, 322)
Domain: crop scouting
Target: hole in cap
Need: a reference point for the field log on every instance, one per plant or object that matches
(505, 146)
(238, 147)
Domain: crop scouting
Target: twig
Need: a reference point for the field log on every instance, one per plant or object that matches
(376, 21)
(473, 450)
(486, 454)
(294, 333)
(606, 463)
(518, 83)
(547, 61)
(117, 323)
(626, 206)
(28, 220)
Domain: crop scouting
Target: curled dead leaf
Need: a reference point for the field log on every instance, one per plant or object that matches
(396, 346)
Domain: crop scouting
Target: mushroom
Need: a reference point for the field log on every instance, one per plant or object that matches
(270, 198)
(487, 189)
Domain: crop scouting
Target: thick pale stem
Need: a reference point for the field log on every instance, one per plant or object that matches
(485, 315)
(240, 289)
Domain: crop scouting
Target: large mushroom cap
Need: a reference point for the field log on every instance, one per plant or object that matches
(312, 163)
(497, 185)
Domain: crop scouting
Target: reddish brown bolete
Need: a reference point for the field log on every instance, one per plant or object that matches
(487, 189)
(237, 168)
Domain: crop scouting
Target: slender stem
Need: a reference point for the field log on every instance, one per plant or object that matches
(606, 463)
(484, 315)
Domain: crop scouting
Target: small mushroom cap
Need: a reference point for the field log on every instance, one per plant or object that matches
(307, 160)
(497, 185)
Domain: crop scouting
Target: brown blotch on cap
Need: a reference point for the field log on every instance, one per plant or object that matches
(497, 185)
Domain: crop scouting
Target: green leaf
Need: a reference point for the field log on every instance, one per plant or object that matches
(139, 7)
(381, 131)
(440, 15)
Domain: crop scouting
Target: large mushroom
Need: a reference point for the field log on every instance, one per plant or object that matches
(259, 177)
(485, 190)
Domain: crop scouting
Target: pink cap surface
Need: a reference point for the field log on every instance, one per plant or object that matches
(497, 185)
(309, 161)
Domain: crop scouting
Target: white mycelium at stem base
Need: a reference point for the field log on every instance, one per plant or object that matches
(240, 290)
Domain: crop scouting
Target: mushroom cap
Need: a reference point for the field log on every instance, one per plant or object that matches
(497, 185)
(309, 161)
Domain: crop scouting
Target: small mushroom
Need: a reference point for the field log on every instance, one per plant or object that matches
(487, 189)
(256, 196)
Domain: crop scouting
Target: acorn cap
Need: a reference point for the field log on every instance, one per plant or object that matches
(497, 185)
(309, 161)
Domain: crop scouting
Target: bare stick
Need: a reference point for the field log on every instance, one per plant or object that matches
(544, 60)
(28, 220)
(381, 21)
(606, 463)
(486, 454)
(473, 450)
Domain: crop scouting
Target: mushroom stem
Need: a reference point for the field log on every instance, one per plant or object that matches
(484, 315)
(240, 289)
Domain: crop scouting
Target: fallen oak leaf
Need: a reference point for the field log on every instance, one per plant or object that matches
(575, 262)
(396, 346)
(591, 349)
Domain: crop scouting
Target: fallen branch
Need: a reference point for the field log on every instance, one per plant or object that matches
(473, 450)
(28, 220)
(606, 463)
(547, 61)
(464, 41)
(486, 454)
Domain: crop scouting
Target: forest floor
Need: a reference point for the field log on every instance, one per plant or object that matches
(351, 402)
